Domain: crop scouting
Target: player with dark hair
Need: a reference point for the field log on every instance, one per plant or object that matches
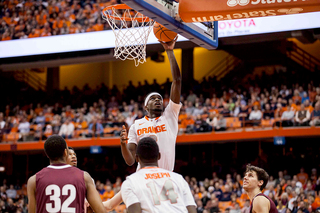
(72, 158)
(61, 187)
(160, 124)
(254, 182)
(153, 189)
(109, 204)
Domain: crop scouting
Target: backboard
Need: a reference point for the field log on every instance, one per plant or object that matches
(166, 13)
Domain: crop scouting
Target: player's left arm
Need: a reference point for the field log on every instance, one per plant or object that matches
(135, 208)
(261, 205)
(113, 202)
(175, 71)
(191, 209)
(31, 190)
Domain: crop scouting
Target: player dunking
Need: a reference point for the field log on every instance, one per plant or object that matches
(153, 189)
(61, 187)
(109, 204)
(163, 125)
(254, 181)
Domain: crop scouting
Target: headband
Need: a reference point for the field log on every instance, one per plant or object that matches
(149, 96)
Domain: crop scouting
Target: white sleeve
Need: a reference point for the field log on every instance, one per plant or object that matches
(187, 196)
(127, 193)
(173, 109)
(132, 135)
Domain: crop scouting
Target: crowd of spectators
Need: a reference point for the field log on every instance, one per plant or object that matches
(30, 19)
(283, 106)
(291, 194)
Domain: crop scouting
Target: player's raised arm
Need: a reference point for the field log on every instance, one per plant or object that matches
(128, 150)
(93, 196)
(31, 189)
(175, 71)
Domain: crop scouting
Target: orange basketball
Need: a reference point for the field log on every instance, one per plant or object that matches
(162, 33)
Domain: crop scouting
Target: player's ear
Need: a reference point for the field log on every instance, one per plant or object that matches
(137, 159)
(66, 152)
(159, 156)
(260, 182)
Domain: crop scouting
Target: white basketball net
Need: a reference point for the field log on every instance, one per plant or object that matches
(131, 31)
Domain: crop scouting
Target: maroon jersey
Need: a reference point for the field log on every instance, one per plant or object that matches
(60, 188)
(273, 208)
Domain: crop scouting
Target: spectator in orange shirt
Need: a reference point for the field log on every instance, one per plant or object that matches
(302, 176)
(296, 98)
(90, 28)
(7, 18)
(6, 36)
(38, 109)
(308, 106)
(101, 190)
(33, 34)
(109, 193)
(73, 29)
(45, 33)
(188, 124)
(49, 115)
(58, 23)
(98, 26)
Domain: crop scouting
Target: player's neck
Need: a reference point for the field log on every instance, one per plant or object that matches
(58, 162)
(253, 193)
(154, 114)
(143, 165)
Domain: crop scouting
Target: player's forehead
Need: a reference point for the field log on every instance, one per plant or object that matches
(155, 96)
(71, 152)
(251, 173)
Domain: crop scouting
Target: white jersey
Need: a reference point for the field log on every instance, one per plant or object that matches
(165, 128)
(157, 190)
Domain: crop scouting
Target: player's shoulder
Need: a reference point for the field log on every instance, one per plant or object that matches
(260, 200)
(172, 106)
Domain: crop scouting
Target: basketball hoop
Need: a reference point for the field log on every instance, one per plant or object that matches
(131, 30)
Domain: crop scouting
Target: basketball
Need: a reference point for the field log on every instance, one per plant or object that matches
(162, 33)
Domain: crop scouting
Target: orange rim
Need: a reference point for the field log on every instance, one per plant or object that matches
(124, 7)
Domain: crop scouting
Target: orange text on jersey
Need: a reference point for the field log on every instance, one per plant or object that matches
(152, 129)
(157, 175)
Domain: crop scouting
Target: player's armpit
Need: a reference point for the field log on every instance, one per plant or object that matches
(135, 208)
(191, 209)
(261, 205)
(113, 202)
(93, 195)
(31, 190)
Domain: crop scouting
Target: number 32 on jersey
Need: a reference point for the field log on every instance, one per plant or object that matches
(167, 193)
(54, 192)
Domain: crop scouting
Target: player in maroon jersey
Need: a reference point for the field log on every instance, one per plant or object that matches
(254, 181)
(61, 187)
(109, 204)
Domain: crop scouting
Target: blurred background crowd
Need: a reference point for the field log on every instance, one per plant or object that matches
(101, 112)
(21, 19)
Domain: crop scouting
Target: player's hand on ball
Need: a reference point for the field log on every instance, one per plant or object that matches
(123, 135)
(169, 45)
